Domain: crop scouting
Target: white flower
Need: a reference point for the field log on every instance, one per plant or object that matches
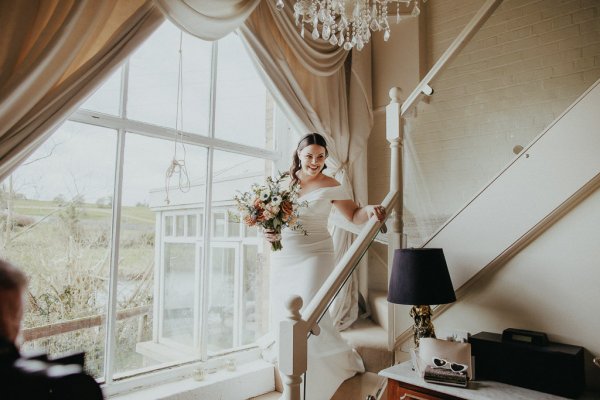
(264, 195)
(273, 209)
(267, 215)
(276, 200)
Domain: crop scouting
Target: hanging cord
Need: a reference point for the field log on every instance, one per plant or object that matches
(178, 166)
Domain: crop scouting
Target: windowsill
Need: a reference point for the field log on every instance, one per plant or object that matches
(248, 380)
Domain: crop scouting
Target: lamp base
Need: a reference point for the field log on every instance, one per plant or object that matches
(423, 326)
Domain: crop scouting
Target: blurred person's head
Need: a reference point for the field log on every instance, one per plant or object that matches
(13, 283)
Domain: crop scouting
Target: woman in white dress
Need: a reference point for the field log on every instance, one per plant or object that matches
(306, 261)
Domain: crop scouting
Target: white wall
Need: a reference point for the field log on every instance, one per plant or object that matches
(527, 64)
(530, 61)
(552, 286)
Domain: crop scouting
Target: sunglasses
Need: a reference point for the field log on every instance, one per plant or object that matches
(441, 363)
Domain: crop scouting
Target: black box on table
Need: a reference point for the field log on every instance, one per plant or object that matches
(553, 368)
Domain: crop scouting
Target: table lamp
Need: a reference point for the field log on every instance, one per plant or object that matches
(420, 278)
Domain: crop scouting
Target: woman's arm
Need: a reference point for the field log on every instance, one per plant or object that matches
(359, 215)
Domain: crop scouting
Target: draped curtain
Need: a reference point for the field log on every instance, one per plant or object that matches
(53, 55)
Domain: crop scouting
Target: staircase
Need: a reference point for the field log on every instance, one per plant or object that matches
(546, 180)
(553, 174)
(369, 336)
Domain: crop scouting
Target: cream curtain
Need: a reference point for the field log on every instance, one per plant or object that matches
(207, 19)
(53, 54)
(311, 85)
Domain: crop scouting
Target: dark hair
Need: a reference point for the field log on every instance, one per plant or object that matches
(11, 278)
(307, 140)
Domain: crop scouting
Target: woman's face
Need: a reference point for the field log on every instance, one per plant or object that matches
(312, 159)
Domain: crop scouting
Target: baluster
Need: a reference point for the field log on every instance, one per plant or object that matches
(292, 349)
(394, 131)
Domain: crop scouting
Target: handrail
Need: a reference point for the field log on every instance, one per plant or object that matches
(342, 270)
(395, 117)
(341, 222)
(452, 51)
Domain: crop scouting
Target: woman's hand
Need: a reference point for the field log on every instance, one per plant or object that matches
(376, 210)
(271, 236)
(359, 215)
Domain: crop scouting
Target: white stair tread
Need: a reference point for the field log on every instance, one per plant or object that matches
(268, 396)
(371, 342)
(379, 307)
(359, 386)
(366, 333)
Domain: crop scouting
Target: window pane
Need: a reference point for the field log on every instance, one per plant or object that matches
(178, 310)
(254, 318)
(221, 288)
(169, 226)
(218, 224)
(144, 202)
(191, 225)
(179, 225)
(153, 72)
(60, 237)
(244, 112)
(245, 290)
(107, 98)
(251, 231)
(233, 224)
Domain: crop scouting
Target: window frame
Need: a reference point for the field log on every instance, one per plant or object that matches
(117, 382)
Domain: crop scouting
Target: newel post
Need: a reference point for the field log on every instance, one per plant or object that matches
(292, 349)
(394, 131)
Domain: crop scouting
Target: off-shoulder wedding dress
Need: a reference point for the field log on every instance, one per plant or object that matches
(300, 268)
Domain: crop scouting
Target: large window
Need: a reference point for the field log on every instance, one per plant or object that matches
(125, 222)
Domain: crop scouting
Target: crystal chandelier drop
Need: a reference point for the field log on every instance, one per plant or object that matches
(347, 23)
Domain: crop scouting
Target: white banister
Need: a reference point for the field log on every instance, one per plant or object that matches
(452, 51)
(395, 121)
(394, 132)
(294, 330)
(338, 276)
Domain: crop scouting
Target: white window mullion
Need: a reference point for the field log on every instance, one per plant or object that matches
(205, 276)
(238, 288)
(111, 320)
(110, 343)
(213, 90)
(200, 262)
(205, 273)
(157, 312)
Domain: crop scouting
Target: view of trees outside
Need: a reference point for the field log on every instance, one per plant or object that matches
(54, 230)
(57, 217)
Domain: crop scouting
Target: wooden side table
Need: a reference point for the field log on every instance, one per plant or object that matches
(403, 391)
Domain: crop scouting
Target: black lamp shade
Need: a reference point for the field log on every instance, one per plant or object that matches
(420, 277)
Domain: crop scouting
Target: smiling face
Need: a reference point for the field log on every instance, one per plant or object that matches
(312, 159)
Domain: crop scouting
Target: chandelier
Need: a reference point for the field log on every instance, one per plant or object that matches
(347, 23)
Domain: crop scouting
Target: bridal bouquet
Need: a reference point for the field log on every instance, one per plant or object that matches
(271, 207)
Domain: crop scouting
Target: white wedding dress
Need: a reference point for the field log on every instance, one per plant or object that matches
(300, 268)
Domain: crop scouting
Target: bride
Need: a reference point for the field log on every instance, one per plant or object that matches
(306, 261)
